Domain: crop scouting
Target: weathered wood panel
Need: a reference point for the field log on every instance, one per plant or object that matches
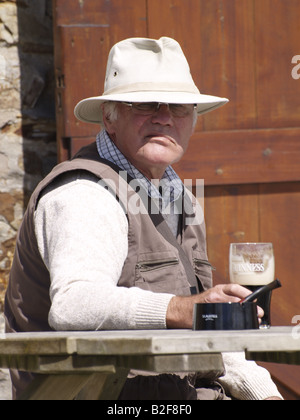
(248, 152)
(261, 213)
(243, 156)
(277, 32)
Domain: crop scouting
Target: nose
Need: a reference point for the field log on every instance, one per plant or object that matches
(162, 115)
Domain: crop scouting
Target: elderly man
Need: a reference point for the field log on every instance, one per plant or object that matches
(112, 240)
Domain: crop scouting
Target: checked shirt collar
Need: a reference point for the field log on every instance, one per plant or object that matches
(170, 183)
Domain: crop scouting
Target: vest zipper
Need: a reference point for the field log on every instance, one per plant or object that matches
(204, 262)
(152, 265)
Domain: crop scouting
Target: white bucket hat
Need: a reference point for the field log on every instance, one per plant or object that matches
(147, 70)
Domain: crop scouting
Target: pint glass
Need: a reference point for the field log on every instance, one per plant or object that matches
(252, 265)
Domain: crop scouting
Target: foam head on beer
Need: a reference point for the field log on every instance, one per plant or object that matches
(252, 264)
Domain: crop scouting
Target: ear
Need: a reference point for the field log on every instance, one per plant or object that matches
(108, 125)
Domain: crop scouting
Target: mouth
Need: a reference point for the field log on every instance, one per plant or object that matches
(160, 138)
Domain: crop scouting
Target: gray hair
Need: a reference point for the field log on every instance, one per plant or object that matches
(110, 111)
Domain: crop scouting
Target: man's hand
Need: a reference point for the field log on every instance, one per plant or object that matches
(180, 310)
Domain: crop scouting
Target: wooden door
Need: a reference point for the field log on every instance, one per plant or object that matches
(248, 152)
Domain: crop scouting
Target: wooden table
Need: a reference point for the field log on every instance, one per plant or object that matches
(94, 365)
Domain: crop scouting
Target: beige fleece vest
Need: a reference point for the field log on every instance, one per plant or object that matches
(155, 261)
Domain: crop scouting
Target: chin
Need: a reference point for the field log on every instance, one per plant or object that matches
(162, 153)
(159, 160)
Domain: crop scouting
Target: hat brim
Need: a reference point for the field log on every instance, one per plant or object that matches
(89, 110)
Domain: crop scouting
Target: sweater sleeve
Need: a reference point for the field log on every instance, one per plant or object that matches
(245, 380)
(82, 236)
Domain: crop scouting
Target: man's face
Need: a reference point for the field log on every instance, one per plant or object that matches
(152, 142)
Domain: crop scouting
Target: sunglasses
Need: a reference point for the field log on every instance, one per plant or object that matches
(149, 108)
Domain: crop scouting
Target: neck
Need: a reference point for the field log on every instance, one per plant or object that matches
(153, 174)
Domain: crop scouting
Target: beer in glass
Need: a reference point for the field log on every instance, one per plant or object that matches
(252, 265)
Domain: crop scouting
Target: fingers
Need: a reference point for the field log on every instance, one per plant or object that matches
(225, 293)
(236, 291)
(242, 293)
(260, 312)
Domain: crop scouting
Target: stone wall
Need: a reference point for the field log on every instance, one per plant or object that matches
(27, 114)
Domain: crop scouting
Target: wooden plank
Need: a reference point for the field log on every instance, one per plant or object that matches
(277, 42)
(203, 363)
(267, 213)
(280, 224)
(108, 364)
(166, 363)
(158, 342)
(232, 215)
(187, 342)
(59, 364)
(258, 213)
(55, 387)
(242, 157)
(91, 387)
(46, 343)
(235, 157)
(84, 33)
(75, 80)
(227, 62)
(70, 12)
(104, 387)
(275, 357)
(217, 37)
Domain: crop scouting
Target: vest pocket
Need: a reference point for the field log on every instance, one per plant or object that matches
(154, 265)
(160, 272)
(199, 262)
(203, 269)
